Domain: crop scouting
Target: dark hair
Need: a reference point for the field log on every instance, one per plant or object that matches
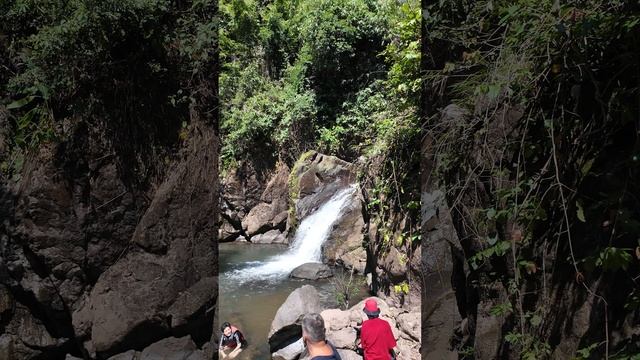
(313, 325)
(224, 326)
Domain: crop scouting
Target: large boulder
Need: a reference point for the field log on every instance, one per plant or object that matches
(312, 271)
(314, 180)
(285, 327)
(173, 349)
(409, 325)
(271, 210)
(270, 237)
(289, 352)
(344, 338)
(336, 319)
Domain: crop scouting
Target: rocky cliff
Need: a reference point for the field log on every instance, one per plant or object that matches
(106, 247)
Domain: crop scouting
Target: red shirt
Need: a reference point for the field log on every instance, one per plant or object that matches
(377, 339)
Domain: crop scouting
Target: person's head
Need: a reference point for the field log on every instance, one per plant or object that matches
(371, 308)
(313, 328)
(226, 329)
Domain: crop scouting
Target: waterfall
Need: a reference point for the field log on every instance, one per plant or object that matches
(306, 246)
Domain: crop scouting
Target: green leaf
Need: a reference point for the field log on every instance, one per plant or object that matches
(612, 259)
(580, 212)
(587, 166)
(536, 320)
(20, 103)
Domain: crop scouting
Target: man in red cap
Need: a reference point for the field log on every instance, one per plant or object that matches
(376, 337)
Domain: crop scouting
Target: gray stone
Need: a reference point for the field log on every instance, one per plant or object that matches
(171, 349)
(344, 338)
(286, 324)
(312, 271)
(349, 355)
(409, 324)
(336, 319)
(270, 237)
(129, 355)
(290, 352)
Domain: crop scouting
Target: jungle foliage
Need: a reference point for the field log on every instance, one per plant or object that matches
(340, 76)
(134, 65)
(541, 163)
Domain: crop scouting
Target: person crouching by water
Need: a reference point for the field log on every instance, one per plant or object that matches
(313, 336)
(376, 337)
(232, 341)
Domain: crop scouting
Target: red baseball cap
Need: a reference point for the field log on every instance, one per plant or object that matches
(371, 307)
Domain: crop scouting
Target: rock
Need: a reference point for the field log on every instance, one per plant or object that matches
(394, 263)
(33, 333)
(290, 352)
(355, 259)
(191, 302)
(90, 228)
(488, 333)
(312, 271)
(277, 190)
(227, 231)
(272, 210)
(131, 304)
(410, 350)
(335, 319)
(172, 349)
(316, 178)
(344, 338)
(6, 304)
(241, 188)
(12, 348)
(349, 355)
(71, 357)
(259, 219)
(129, 355)
(409, 324)
(270, 237)
(285, 327)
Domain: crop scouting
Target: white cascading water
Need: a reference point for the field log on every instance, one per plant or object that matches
(305, 248)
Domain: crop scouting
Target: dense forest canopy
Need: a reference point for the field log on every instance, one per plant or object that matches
(340, 76)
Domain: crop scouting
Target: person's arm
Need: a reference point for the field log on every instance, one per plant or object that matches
(235, 336)
(392, 343)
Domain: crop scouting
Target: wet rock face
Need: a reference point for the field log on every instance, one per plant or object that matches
(315, 179)
(92, 257)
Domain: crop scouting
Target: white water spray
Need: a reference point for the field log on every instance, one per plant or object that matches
(306, 246)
